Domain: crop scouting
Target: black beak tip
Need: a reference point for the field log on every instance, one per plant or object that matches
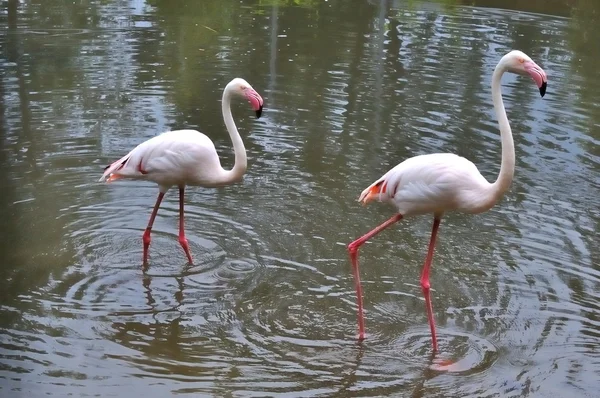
(259, 112)
(543, 88)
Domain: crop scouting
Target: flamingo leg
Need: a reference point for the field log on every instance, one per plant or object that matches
(353, 250)
(182, 239)
(425, 285)
(146, 237)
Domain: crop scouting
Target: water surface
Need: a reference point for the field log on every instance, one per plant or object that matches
(351, 88)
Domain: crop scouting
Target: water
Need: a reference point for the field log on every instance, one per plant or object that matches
(351, 88)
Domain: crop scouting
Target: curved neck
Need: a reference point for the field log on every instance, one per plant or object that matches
(240, 165)
(507, 167)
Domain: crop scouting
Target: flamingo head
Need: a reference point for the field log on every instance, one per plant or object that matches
(374, 192)
(244, 89)
(518, 62)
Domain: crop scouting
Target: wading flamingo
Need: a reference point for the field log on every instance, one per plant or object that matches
(186, 157)
(441, 182)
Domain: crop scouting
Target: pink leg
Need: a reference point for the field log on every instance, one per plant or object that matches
(425, 285)
(182, 239)
(146, 237)
(353, 250)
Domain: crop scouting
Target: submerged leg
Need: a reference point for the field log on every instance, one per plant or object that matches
(146, 237)
(353, 250)
(182, 239)
(425, 285)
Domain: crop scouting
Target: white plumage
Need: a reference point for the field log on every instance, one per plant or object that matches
(442, 182)
(186, 157)
(180, 157)
(433, 183)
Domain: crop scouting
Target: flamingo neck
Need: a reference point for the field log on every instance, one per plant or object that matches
(241, 163)
(507, 167)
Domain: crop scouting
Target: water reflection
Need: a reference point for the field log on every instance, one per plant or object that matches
(269, 307)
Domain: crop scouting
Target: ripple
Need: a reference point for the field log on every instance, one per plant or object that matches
(235, 269)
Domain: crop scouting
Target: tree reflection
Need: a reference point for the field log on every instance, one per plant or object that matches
(39, 78)
(9, 234)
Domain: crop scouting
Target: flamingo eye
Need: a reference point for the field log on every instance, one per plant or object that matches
(521, 60)
(243, 88)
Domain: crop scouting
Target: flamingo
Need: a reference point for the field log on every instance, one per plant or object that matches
(443, 182)
(186, 157)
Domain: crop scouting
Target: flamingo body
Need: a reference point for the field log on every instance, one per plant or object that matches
(186, 157)
(443, 182)
(433, 183)
(179, 157)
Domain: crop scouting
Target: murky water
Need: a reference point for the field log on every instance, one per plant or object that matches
(351, 88)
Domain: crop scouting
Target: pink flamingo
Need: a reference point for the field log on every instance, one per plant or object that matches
(186, 157)
(441, 182)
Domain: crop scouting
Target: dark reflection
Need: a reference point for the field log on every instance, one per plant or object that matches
(554, 7)
(20, 158)
(9, 233)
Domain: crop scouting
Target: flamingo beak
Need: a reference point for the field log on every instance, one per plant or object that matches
(372, 193)
(369, 197)
(256, 101)
(538, 75)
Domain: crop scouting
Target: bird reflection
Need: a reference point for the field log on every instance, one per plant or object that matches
(432, 367)
(147, 282)
(165, 331)
(427, 374)
(350, 379)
